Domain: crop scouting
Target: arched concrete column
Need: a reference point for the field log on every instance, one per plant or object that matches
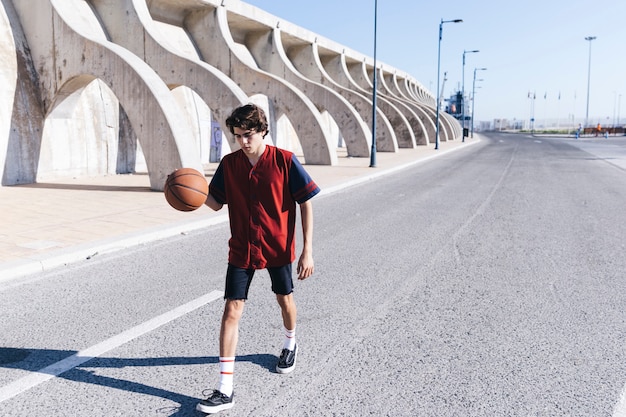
(406, 107)
(73, 48)
(417, 118)
(418, 91)
(427, 122)
(361, 73)
(457, 129)
(412, 90)
(269, 53)
(306, 61)
(129, 24)
(446, 130)
(396, 83)
(326, 67)
(21, 118)
(8, 82)
(426, 112)
(391, 83)
(421, 93)
(386, 136)
(400, 87)
(209, 28)
(446, 122)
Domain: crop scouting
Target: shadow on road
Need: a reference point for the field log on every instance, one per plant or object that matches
(36, 360)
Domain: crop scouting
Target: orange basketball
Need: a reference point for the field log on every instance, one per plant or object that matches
(186, 189)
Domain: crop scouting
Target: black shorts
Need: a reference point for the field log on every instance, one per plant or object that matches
(238, 281)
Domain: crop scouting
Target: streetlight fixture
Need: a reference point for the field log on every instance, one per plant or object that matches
(373, 152)
(463, 90)
(438, 74)
(474, 96)
(588, 38)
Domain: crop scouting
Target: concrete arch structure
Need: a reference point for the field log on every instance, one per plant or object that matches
(361, 73)
(409, 108)
(114, 74)
(140, 91)
(269, 53)
(214, 30)
(423, 124)
(306, 60)
(335, 66)
(426, 115)
(21, 115)
(130, 24)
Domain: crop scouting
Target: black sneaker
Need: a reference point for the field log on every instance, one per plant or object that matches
(216, 402)
(287, 361)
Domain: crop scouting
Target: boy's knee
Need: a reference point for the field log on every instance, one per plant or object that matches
(233, 309)
(286, 302)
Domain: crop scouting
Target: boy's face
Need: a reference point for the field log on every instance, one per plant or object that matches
(250, 141)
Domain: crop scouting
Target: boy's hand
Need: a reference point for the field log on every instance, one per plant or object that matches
(305, 266)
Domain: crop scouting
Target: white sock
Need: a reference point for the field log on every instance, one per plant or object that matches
(290, 338)
(227, 368)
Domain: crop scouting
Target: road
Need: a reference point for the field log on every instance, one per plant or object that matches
(486, 282)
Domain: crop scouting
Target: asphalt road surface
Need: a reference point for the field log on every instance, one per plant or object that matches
(485, 282)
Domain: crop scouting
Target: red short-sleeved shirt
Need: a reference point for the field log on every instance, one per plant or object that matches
(261, 203)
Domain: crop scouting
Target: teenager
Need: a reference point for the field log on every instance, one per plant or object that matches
(261, 185)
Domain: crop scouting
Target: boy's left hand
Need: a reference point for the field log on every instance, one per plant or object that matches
(305, 266)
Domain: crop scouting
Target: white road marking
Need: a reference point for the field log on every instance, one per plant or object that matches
(620, 407)
(38, 377)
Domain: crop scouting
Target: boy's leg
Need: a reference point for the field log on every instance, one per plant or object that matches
(236, 292)
(222, 398)
(229, 330)
(282, 285)
(288, 310)
(229, 335)
(287, 360)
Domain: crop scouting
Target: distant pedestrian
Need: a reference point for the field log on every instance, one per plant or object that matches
(579, 131)
(598, 129)
(261, 185)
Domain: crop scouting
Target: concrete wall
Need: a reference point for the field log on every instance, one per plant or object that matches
(105, 87)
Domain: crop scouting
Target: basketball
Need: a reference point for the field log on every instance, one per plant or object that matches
(186, 189)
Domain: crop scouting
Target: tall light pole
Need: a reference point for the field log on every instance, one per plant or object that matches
(463, 91)
(438, 74)
(588, 38)
(474, 95)
(373, 152)
(619, 103)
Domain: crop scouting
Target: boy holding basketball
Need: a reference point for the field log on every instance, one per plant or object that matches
(261, 185)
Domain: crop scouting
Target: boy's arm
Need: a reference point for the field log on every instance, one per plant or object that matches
(212, 203)
(305, 263)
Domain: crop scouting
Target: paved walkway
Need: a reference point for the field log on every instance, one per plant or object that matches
(51, 224)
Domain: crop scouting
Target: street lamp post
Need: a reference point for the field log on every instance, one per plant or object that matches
(463, 91)
(474, 96)
(438, 75)
(619, 103)
(614, 108)
(588, 38)
(373, 152)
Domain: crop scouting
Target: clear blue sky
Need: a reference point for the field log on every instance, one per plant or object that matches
(530, 46)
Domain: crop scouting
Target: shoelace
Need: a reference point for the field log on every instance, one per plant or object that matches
(213, 393)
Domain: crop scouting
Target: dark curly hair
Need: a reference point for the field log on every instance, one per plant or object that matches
(248, 117)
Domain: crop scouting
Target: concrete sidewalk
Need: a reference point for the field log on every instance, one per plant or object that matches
(51, 224)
